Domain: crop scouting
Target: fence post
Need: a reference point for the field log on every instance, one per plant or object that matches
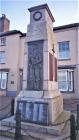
(12, 107)
(72, 127)
(77, 116)
(18, 125)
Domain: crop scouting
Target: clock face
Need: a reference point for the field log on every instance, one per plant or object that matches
(37, 15)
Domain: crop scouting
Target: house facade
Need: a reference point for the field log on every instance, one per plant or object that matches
(12, 45)
(11, 60)
(67, 38)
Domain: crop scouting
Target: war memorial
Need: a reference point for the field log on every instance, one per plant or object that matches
(40, 101)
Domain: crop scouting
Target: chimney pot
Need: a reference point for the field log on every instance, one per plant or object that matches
(4, 23)
(3, 15)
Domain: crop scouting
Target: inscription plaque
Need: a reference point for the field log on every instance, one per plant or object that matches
(35, 112)
(21, 107)
(43, 113)
(29, 111)
(35, 66)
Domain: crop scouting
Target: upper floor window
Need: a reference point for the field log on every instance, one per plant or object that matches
(64, 50)
(2, 57)
(65, 80)
(3, 80)
(2, 41)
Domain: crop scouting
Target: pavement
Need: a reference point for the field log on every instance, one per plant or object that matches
(5, 138)
(5, 106)
(5, 100)
(71, 105)
(78, 136)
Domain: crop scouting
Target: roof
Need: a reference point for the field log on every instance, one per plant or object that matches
(66, 26)
(12, 32)
(23, 35)
(43, 6)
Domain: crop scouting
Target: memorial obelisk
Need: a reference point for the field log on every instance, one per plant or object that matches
(40, 101)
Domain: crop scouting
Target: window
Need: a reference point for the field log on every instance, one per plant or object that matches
(3, 80)
(65, 80)
(2, 57)
(64, 50)
(2, 41)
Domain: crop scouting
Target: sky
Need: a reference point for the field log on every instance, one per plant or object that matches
(64, 12)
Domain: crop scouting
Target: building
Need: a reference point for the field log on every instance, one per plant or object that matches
(67, 38)
(11, 59)
(12, 52)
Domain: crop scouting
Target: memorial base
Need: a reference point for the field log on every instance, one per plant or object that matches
(39, 131)
(40, 107)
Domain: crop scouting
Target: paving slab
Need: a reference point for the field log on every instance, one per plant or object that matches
(5, 138)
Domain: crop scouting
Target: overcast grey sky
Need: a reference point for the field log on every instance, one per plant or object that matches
(64, 11)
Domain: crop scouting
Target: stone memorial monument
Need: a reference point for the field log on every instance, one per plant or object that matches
(40, 101)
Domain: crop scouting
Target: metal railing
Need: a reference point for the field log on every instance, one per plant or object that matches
(74, 124)
(73, 127)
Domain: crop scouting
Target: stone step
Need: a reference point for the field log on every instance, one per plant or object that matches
(53, 129)
(6, 131)
(34, 136)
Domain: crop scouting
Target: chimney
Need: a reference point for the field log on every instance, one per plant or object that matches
(4, 23)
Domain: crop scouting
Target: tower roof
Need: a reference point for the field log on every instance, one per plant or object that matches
(43, 6)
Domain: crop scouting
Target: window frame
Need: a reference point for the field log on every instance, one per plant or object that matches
(1, 80)
(3, 41)
(71, 80)
(68, 89)
(64, 50)
(3, 59)
(65, 89)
